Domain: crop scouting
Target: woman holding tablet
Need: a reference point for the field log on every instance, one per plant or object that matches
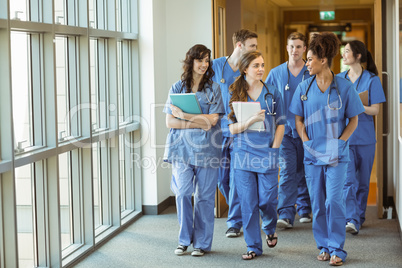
(255, 153)
(193, 147)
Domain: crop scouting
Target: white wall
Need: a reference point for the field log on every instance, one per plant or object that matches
(166, 33)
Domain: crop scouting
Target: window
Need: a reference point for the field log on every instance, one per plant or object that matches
(24, 186)
(19, 9)
(101, 186)
(68, 114)
(99, 85)
(27, 90)
(66, 204)
(68, 75)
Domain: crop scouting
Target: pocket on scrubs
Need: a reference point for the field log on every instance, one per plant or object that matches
(256, 160)
(323, 151)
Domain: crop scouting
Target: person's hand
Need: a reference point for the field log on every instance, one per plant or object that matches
(207, 127)
(260, 116)
(176, 111)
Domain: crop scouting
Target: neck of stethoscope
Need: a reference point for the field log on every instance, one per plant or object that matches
(287, 68)
(360, 76)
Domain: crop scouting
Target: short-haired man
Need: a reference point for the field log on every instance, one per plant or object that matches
(226, 70)
(292, 185)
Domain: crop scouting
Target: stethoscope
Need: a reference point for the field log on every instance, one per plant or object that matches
(269, 95)
(209, 101)
(287, 68)
(360, 77)
(304, 96)
(223, 81)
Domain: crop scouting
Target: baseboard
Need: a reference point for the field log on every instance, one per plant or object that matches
(399, 224)
(158, 209)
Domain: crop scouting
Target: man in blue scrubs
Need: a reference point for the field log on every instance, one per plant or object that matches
(226, 70)
(292, 186)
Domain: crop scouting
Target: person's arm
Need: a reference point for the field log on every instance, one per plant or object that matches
(301, 129)
(350, 128)
(204, 120)
(239, 127)
(280, 130)
(372, 110)
(173, 122)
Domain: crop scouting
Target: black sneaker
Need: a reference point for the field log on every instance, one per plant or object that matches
(284, 223)
(180, 250)
(232, 232)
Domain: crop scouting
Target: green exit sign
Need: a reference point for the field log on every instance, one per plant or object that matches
(327, 15)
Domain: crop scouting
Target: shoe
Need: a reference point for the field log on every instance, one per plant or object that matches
(305, 218)
(335, 261)
(249, 255)
(232, 232)
(180, 250)
(351, 228)
(197, 252)
(284, 223)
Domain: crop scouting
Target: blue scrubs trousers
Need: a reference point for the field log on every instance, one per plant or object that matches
(258, 192)
(188, 179)
(226, 185)
(325, 184)
(303, 197)
(292, 186)
(357, 183)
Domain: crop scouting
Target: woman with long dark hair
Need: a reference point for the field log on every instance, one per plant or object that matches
(255, 153)
(322, 106)
(364, 76)
(193, 147)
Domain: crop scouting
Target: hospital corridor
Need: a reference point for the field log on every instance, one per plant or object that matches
(162, 133)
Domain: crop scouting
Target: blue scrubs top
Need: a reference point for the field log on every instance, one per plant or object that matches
(279, 77)
(252, 149)
(229, 76)
(323, 125)
(365, 131)
(195, 146)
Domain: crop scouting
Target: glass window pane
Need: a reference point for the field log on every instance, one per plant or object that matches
(19, 9)
(123, 177)
(118, 15)
(62, 84)
(60, 14)
(99, 83)
(25, 215)
(92, 13)
(22, 89)
(65, 198)
(120, 92)
(97, 184)
(94, 78)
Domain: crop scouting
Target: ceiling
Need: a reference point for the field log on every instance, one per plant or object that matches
(320, 3)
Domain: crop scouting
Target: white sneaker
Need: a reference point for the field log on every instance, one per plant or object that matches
(351, 228)
(197, 252)
(284, 223)
(180, 250)
(305, 218)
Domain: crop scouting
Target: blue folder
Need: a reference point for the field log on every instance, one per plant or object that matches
(187, 102)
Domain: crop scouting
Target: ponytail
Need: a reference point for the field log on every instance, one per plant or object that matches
(371, 64)
(238, 91)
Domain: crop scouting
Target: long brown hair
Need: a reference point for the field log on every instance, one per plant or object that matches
(196, 52)
(240, 86)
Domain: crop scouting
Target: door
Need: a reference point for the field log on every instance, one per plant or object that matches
(219, 24)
